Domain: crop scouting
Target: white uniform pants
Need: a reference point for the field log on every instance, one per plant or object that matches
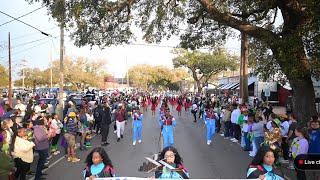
(120, 128)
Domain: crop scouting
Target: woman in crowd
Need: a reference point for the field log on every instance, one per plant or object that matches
(22, 151)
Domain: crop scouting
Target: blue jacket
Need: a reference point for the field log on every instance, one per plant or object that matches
(314, 145)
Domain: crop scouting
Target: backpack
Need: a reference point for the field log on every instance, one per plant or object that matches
(256, 173)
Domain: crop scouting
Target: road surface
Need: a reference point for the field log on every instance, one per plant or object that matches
(222, 159)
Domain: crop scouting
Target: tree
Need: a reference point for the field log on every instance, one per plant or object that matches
(147, 76)
(33, 77)
(4, 76)
(203, 65)
(79, 73)
(294, 44)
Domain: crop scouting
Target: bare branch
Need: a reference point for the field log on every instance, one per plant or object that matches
(229, 20)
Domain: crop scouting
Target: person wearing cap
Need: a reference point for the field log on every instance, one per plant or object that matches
(167, 124)
(71, 129)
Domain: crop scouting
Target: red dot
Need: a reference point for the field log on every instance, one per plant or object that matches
(300, 162)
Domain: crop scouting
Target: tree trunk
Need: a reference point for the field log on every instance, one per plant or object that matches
(199, 86)
(244, 68)
(303, 99)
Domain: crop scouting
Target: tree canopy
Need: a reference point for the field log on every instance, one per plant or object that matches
(294, 44)
(203, 66)
(147, 76)
(4, 77)
(79, 73)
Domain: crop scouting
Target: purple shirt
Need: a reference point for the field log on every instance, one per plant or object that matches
(40, 137)
(299, 146)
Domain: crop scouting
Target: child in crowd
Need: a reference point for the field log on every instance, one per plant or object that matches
(55, 127)
(262, 164)
(22, 151)
(98, 165)
(300, 146)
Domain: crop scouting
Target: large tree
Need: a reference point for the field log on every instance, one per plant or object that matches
(147, 76)
(4, 77)
(79, 73)
(294, 43)
(203, 66)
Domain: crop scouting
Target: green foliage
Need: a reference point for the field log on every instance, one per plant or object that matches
(4, 76)
(202, 65)
(147, 76)
(79, 73)
(202, 23)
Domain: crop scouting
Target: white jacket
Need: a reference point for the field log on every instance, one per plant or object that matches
(23, 149)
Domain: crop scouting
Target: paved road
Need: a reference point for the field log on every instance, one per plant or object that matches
(222, 159)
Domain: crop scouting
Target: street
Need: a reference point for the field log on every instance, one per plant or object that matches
(222, 159)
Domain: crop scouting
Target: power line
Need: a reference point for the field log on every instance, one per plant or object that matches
(22, 44)
(46, 34)
(30, 34)
(22, 16)
(24, 50)
(32, 47)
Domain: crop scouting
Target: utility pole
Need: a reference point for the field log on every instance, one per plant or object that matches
(244, 68)
(23, 64)
(61, 62)
(50, 57)
(128, 83)
(10, 78)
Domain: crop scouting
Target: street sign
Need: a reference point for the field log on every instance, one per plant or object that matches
(267, 93)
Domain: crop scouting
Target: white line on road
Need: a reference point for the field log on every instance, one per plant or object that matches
(56, 162)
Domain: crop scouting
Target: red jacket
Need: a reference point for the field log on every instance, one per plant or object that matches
(120, 115)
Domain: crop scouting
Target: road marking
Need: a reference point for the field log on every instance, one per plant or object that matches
(56, 162)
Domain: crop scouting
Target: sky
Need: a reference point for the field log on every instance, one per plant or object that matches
(29, 44)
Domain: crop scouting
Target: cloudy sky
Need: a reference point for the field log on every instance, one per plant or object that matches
(35, 48)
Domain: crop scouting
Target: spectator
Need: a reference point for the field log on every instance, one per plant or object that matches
(70, 135)
(227, 122)
(300, 146)
(258, 135)
(314, 134)
(6, 165)
(22, 151)
(42, 145)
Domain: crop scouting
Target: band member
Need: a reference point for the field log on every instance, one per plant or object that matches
(137, 126)
(172, 157)
(120, 121)
(179, 107)
(167, 124)
(210, 122)
(153, 106)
